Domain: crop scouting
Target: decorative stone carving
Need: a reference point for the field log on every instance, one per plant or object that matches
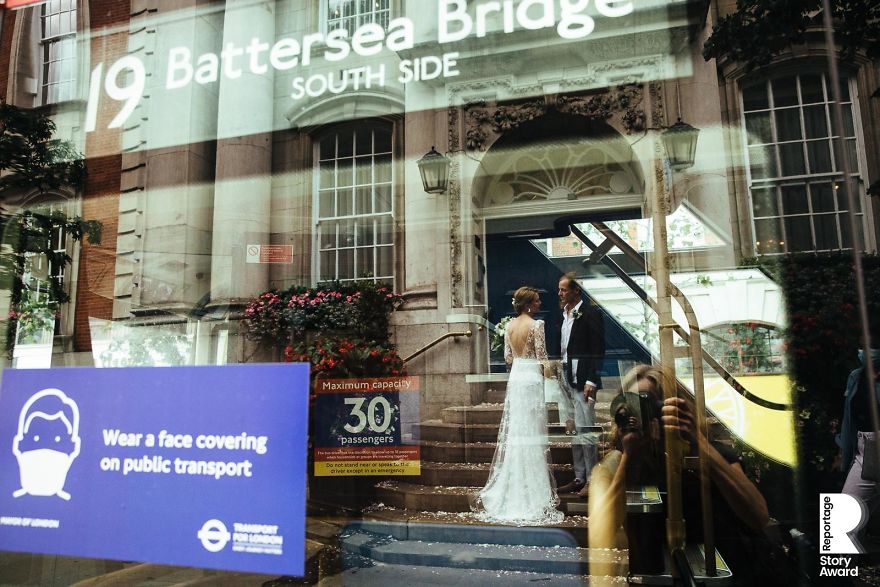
(482, 120)
(454, 198)
(656, 92)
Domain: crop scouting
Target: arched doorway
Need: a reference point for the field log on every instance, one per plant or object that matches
(533, 183)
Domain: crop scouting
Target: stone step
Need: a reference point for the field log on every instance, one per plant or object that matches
(488, 556)
(404, 525)
(439, 431)
(370, 575)
(475, 474)
(480, 452)
(428, 498)
(484, 414)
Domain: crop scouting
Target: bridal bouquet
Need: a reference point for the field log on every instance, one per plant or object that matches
(498, 336)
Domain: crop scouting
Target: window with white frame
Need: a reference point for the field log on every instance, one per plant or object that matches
(355, 207)
(58, 48)
(39, 272)
(350, 14)
(795, 166)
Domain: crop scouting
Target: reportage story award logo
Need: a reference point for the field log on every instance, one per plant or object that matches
(841, 516)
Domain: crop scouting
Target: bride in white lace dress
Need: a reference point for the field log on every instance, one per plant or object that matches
(521, 489)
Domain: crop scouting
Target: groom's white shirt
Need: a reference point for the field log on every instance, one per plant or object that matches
(567, 323)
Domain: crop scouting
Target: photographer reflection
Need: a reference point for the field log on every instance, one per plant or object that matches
(740, 515)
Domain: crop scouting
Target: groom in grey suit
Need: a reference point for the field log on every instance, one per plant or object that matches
(583, 350)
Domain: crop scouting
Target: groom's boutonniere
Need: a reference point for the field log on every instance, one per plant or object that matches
(575, 314)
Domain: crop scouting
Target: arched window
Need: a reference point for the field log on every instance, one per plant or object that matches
(354, 204)
(795, 167)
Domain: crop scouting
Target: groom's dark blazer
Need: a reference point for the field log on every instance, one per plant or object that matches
(587, 345)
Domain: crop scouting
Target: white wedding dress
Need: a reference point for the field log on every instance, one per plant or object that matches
(521, 490)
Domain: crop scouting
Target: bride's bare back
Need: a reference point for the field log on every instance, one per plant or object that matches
(524, 339)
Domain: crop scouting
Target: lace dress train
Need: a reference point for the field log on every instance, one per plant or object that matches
(521, 489)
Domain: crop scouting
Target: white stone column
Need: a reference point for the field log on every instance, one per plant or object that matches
(242, 192)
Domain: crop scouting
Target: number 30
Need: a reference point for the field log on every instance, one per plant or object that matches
(368, 418)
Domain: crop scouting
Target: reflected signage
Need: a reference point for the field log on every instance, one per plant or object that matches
(366, 427)
(192, 466)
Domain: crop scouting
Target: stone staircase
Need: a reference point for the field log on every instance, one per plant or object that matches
(457, 451)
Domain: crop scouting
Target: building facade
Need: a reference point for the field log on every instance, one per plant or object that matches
(212, 127)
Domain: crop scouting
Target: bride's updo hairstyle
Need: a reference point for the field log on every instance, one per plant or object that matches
(523, 298)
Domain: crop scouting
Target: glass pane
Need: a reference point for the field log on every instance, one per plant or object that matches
(363, 203)
(328, 264)
(815, 122)
(346, 264)
(345, 144)
(848, 128)
(383, 141)
(853, 157)
(822, 196)
(385, 262)
(825, 226)
(328, 147)
(794, 199)
(383, 169)
(798, 236)
(784, 92)
(768, 236)
(764, 202)
(761, 162)
(326, 204)
(820, 157)
(344, 202)
(346, 233)
(792, 157)
(344, 173)
(811, 89)
(840, 191)
(788, 124)
(383, 198)
(365, 236)
(365, 262)
(755, 97)
(845, 234)
(363, 142)
(364, 173)
(844, 90)
(384, 230)
(327, 175)
(758, 128)
(328, 235)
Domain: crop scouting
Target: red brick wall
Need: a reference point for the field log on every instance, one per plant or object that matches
(108, 23)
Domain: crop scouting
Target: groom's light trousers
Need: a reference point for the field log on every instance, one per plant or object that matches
(584, 448)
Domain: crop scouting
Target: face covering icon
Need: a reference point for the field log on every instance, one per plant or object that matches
(47, 443)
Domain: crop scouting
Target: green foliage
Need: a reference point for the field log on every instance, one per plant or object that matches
(762, 29)
(360, 309)
(344, 358)
(34, 317)
(824, 336)
(30, 158)
(341, 330)
(146, 347)
(745, 347)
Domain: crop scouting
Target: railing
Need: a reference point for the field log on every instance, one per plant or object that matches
(433, 343)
